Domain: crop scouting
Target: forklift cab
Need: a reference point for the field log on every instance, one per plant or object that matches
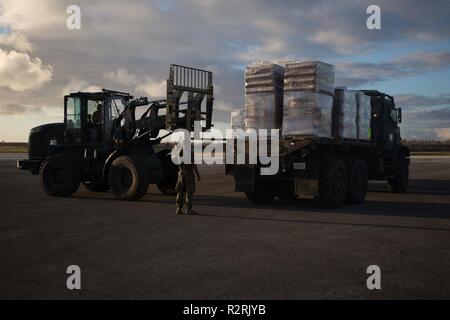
(88, 117)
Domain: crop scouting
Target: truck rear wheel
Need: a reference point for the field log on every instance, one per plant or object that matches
(60, 176)
(128, 178)
(333, 182)
(357, 181)
(399, 184)
(263, 193)
(96, 187)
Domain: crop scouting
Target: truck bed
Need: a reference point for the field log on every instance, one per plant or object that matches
(291, 144)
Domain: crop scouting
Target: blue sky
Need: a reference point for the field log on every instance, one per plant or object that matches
(129, 46)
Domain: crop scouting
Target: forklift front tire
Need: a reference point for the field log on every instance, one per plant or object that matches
(128, 178)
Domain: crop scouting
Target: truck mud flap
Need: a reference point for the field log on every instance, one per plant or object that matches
(306, 188)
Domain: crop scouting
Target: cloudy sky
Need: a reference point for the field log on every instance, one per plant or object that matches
(128, 46)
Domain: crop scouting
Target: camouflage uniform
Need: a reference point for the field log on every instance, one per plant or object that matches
(185, 187)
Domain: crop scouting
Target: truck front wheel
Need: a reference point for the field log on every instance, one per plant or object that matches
(333, 182)
(128, 178)
(357, 180)
(399, 184)
(60, 176)
(263, 193)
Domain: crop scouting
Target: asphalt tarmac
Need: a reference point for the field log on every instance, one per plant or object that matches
(232, 249)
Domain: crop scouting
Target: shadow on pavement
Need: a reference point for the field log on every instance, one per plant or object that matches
(428, 187)
(324, 222)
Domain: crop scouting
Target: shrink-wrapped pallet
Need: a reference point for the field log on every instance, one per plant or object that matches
(263, 96)
(263, 110)
(308, 99)
(263, 77)
(345, 114)
(363, 116)
(307, 113)
(314, 76)
(237, 119)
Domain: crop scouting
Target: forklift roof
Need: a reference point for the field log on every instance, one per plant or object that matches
(102, 94)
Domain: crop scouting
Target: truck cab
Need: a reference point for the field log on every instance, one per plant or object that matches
(385, 122)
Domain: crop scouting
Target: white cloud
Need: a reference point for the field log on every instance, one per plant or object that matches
(152, 88)
(32, 16)
(122, 77)
(137, 81)
(443, 133)
(9, 109)
(17, 41)
(76, 85)
(270, 48)
(342, 42)
(19, 72)
(222, 105)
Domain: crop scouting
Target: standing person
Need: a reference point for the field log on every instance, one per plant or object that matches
(185, 187)
(97, 116)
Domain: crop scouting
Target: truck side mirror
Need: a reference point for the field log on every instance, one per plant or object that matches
(399, 115)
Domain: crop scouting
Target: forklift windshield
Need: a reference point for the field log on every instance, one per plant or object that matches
(73, 113)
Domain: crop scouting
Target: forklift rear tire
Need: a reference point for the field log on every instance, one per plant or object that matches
(96, 187)
(263, 193)
(333, 183)
(128, 178)
(60, 176)
(399, 184)
(357, 180)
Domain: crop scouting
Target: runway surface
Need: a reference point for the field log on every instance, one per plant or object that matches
(232, 250)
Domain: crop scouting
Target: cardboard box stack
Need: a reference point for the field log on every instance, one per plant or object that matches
(345, 114)
(308, 99)
(237, 119)
(351, 115)
(263, 96)
(363, 116)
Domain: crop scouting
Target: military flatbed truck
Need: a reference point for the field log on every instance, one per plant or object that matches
(105, 143)
(333, 171)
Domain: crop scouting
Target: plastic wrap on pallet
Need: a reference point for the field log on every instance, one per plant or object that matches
(345, 114)
(263, 77)
(315, 76)
(263, 96)
(307, 113)
(263, 110)
(363, 116)
(237, 119)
